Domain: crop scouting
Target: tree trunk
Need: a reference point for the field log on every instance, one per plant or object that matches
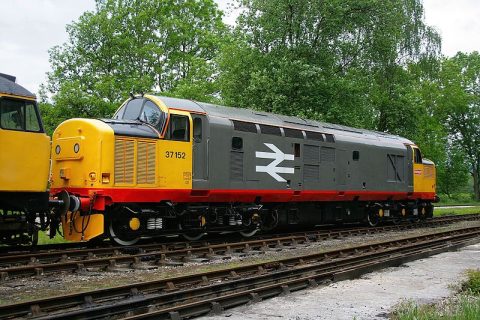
(476, 182)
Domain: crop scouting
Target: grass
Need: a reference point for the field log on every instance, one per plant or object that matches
(43, 238)
(464, 306)
(458, 199)
(447, 211)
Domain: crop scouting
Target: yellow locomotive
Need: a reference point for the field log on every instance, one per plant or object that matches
(24, 165)
(166, 166)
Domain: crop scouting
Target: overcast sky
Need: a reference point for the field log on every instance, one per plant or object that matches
(29, 28)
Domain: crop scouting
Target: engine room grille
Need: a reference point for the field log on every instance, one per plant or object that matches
(146, 162)
(327, 154)
(311, 172)
(311, 154)
(124, 161)
(236, 166)
(428, 171)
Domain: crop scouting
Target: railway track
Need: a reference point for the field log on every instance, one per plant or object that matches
(150, 256)
(214, 291)
(18, 250)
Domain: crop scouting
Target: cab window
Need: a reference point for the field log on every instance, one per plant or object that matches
(417, 155)
(19, 115)
(143, 110)
(151, 114)
(178, 128)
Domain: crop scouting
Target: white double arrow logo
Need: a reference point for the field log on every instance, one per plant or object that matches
(278, 157)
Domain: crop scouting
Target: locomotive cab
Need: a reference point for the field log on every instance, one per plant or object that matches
(424, 184)
(24, 164)
(119, 170)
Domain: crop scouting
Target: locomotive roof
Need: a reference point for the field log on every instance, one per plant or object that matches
(8, 86)
(267, 118)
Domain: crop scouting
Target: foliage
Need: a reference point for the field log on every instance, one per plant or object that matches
(472, 284)
(452, 173)
(460, 106)
(134, 46)
(464, 306)
(340, 61)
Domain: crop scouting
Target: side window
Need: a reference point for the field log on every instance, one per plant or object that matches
(31, 120)
(356, 155)
(19, 115)
(237, 143)
(11, 115)
(418, 155)
(178, 128)
(120, 112)
(197, 129)
(296, 149)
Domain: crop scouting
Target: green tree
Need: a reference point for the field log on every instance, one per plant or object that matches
(452, 173)
(460, 105)
(135, 46)
(340, 61)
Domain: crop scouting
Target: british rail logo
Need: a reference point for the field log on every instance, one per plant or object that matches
(278, 157)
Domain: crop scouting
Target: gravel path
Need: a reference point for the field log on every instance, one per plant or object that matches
(373, 296)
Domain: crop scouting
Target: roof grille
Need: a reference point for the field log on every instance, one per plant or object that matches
(244, 126)
(293, 133)
(270, 130)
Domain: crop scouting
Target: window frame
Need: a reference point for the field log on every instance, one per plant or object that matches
(25, 102)
(168, 134)
(417, 155)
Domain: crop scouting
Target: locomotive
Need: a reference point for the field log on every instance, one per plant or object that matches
(164, 166)
(24, 165)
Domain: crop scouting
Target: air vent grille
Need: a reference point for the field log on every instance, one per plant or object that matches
(236, 166)
(146, 162)
(124, 161)
(327, 154)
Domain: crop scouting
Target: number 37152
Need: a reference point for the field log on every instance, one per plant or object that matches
(174, 154)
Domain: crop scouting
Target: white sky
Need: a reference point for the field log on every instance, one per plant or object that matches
(29, 28)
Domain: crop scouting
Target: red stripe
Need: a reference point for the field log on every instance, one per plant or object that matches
(218, 195)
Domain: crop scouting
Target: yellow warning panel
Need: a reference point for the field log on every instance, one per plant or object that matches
(82, 228)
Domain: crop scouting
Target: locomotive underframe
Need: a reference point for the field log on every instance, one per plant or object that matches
(22, 215)
(127, 222)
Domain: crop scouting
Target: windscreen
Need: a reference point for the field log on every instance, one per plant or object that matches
(143, 110)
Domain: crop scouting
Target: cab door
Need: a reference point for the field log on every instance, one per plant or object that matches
(200, 151)
(418, 181)
(410, 168)
(24, 147)
(175, 152)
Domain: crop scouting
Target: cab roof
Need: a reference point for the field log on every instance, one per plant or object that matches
(262, 117)
(8, 86)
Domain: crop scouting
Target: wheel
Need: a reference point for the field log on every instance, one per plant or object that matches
(248, 234)
(120, 237)
(397, 220)
(193, 236)
(373, 218)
